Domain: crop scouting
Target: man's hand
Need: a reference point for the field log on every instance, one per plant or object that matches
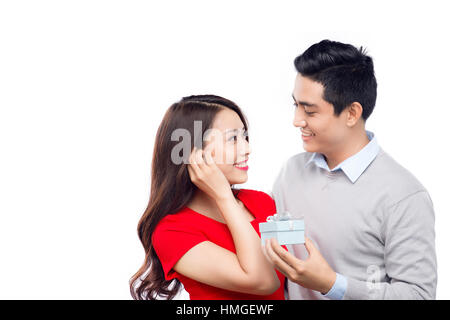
(313, 273)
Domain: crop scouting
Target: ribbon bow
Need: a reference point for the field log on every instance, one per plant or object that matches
(279, 217)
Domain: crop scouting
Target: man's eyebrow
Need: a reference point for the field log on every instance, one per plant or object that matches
(304, 103)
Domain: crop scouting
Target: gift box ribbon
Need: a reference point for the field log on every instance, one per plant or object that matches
(285, 216)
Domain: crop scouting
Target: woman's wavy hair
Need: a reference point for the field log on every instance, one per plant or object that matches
(171, 188)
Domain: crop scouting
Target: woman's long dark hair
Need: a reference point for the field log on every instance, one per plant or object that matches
(171, 187)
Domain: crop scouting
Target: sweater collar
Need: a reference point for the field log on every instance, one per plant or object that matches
(354, 166)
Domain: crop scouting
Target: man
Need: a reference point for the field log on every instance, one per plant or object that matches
(369, 223)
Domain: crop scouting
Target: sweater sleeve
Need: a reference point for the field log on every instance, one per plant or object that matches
(410, 257)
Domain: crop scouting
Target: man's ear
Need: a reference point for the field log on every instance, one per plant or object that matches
(354, 112)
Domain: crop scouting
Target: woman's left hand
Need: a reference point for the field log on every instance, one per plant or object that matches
(205, 174)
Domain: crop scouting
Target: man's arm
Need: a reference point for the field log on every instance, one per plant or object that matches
(410, 257)
(277, 191)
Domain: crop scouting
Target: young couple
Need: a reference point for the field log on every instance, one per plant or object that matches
(369, 224)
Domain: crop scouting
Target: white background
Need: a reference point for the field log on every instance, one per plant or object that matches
(84, 85)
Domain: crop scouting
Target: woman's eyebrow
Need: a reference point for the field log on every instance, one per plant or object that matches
(234, 130)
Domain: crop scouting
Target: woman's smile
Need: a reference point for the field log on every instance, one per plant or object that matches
(241, 165)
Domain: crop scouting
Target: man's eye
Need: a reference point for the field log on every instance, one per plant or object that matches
(233, 138)
(295, 104)
(309, 113)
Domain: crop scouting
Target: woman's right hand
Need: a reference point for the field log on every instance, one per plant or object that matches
(205, 174)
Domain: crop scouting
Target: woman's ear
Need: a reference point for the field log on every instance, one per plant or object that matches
(354, 112)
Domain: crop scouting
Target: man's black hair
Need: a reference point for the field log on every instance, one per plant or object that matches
(346, 73)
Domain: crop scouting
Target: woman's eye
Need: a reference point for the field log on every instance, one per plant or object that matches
(242, 135)
(309, 113)
(295, 104)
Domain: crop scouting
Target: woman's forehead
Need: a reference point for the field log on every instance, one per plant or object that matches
(227, 120)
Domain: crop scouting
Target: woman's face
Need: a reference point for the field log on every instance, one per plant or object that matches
(228, 144)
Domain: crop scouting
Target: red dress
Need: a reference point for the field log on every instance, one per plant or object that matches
(177, 233)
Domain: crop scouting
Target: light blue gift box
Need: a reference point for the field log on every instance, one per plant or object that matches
(284, 229)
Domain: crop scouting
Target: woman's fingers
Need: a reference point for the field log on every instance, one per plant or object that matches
(191, 172)
(199, 158)
(192, 156)
(193, 166)
(197, 163)
(208, 177)
(202, 164)
(208, 157)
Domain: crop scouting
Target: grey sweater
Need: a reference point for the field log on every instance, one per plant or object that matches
(378, 232)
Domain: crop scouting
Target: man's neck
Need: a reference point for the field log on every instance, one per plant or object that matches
(351, 147)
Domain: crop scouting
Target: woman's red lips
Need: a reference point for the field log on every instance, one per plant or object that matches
(239, 165)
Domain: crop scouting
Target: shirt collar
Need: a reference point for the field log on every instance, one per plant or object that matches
(355, 165)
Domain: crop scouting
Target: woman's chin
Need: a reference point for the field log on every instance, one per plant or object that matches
(239, 180)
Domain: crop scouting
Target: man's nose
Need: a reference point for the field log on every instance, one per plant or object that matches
(298, 122)
(299, 119)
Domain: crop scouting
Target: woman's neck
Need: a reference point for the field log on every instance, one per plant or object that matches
(202, 199)
(205, 205)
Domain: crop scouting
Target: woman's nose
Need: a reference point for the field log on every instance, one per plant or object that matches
(247, 148)
(244, 147)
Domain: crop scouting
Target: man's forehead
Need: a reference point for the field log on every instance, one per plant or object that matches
(307, 92)
(304, 102)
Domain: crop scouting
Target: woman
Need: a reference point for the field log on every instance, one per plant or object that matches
(197, 229)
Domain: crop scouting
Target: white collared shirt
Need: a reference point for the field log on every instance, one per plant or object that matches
(355, 165)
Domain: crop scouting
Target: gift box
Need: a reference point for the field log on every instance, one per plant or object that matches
(283, 228)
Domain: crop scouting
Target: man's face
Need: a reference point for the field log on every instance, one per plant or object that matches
(322, 131)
